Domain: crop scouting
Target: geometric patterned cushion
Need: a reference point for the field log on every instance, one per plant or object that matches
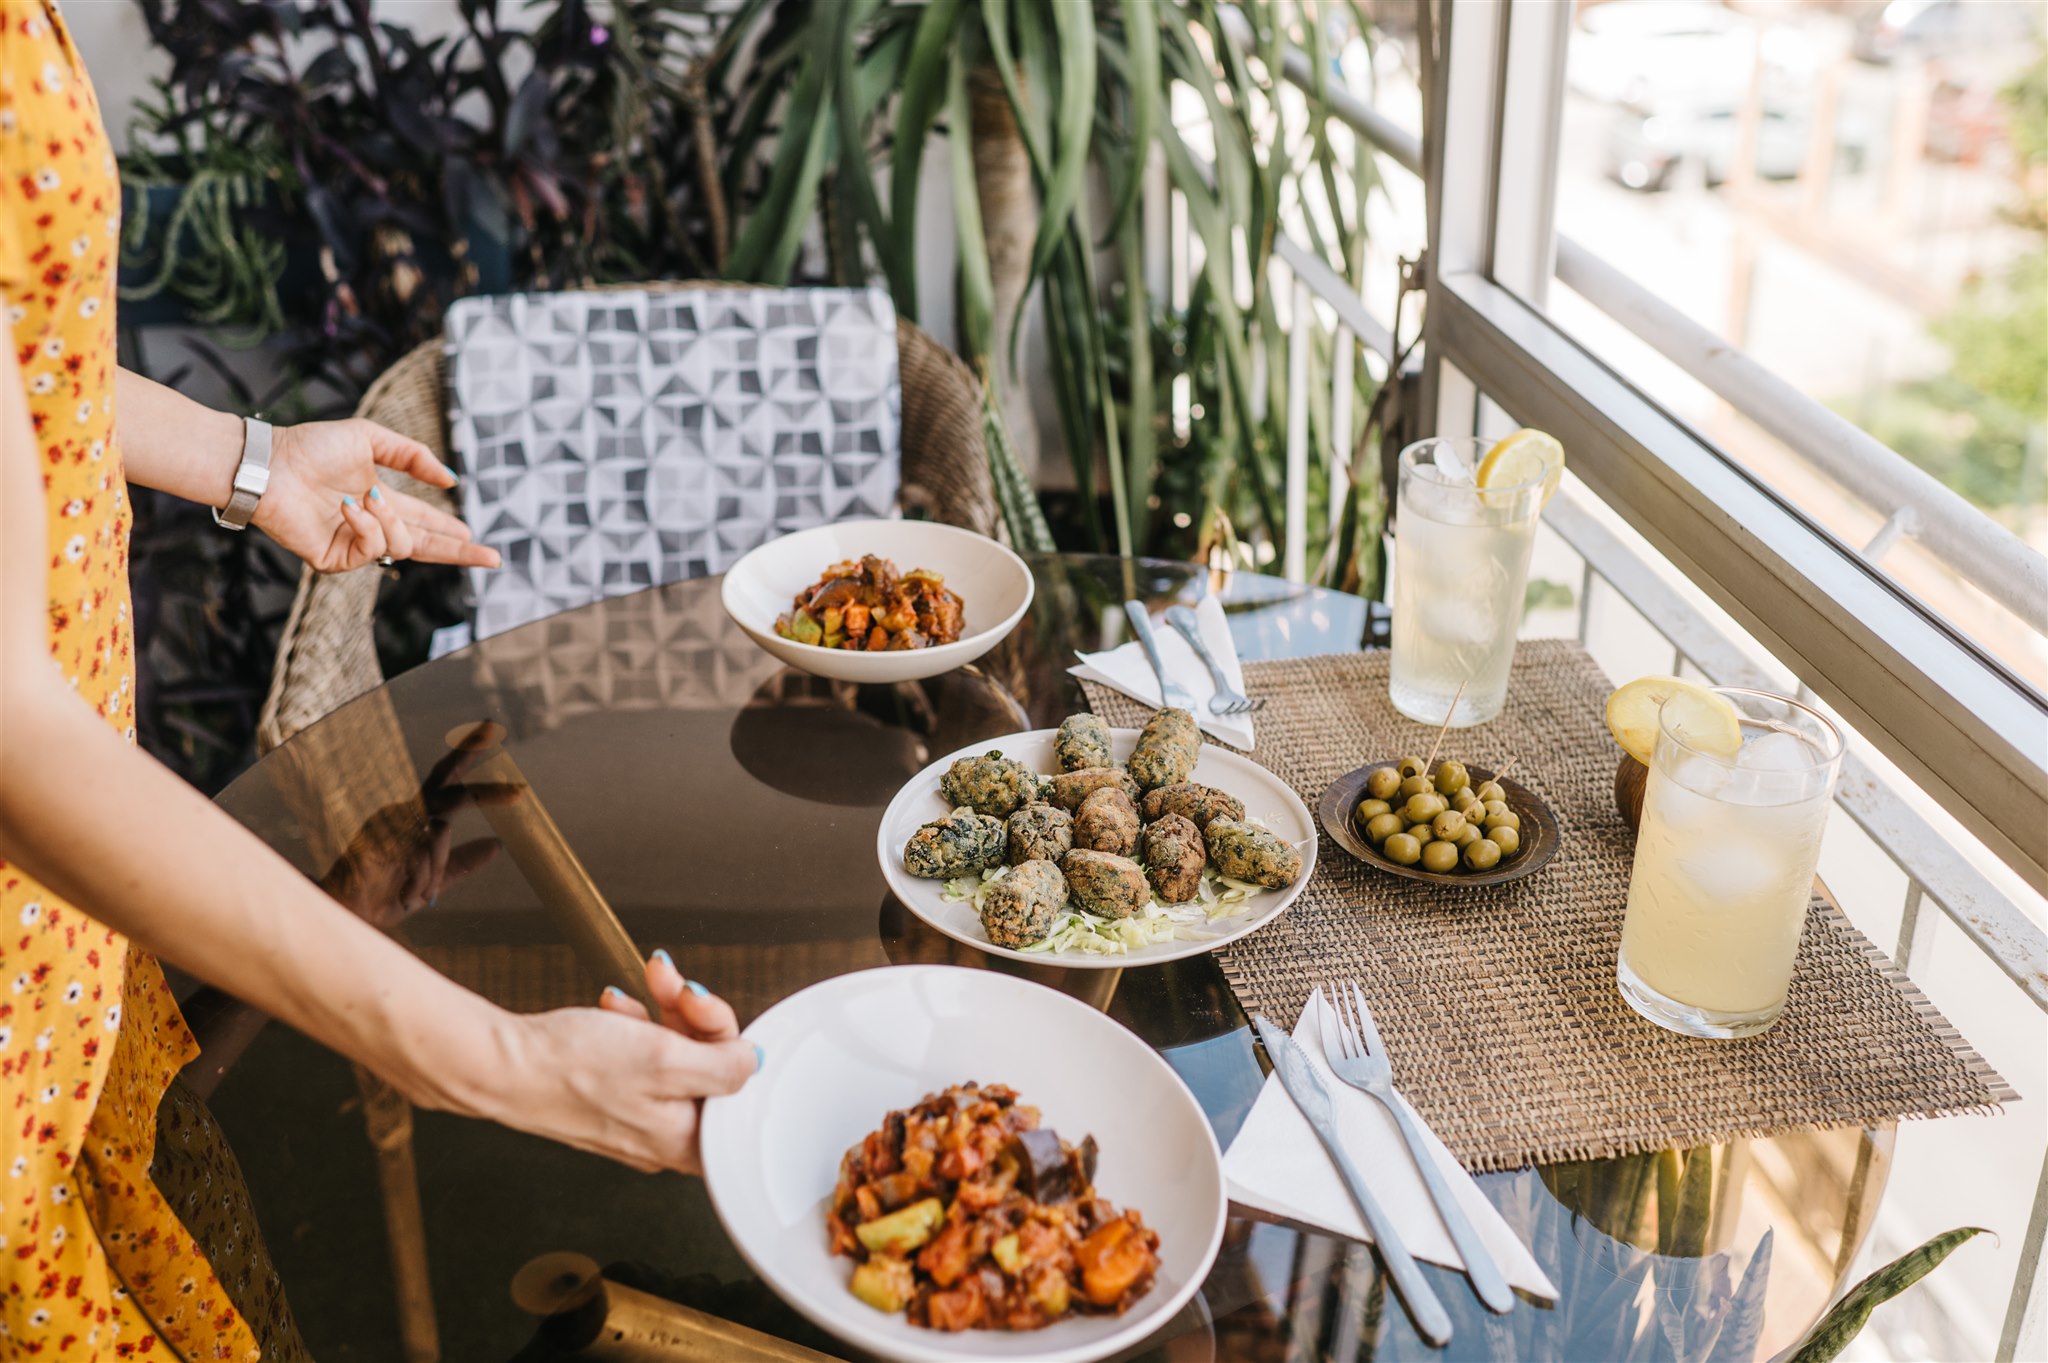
(614, 440)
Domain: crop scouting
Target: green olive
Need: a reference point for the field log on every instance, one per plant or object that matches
(1451, 778)
(1504, 819)
(1447, 824)
(1422, 808)
(1440, 856)
(1383, 784)
(1508, 840)
(1368, 810)
(1410, 766)
(1463, 800)
(1493, 807)
(1491, 790)
(1403, 849)
(1482, 855)
(1417, 785)
(1382, 827)
(1468, 835)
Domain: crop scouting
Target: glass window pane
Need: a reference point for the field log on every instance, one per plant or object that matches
(1857, 200)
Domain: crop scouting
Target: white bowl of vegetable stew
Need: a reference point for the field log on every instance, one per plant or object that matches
(845, 1054)
(895, 600)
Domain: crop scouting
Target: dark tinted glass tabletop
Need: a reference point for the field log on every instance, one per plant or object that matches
(725, 808)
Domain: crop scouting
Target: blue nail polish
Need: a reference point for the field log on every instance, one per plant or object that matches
(661, 954)
(612, 991)
(699, 990)
(760, 1060)
(376, 494)
(347, 500)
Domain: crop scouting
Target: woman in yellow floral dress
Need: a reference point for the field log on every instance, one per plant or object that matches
(106, 860)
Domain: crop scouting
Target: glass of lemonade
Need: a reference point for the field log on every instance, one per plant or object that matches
(1461, 566)
(1724, 869)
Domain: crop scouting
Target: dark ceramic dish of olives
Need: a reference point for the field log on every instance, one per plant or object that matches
(1538, 830)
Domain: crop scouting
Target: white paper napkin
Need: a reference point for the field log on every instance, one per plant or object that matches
(1277, 1165)
(1127, 670)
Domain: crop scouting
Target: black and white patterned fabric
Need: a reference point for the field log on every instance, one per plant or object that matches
(610, 441)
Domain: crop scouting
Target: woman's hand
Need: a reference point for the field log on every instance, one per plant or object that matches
(606, 1080)
(324, 502)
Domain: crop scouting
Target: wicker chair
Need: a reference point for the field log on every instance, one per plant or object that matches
(326, 655)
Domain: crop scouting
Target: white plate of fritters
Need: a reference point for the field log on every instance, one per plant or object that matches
(1268, 804)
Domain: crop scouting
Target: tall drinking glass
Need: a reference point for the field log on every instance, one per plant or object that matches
(1461, 566)
(1724, 869)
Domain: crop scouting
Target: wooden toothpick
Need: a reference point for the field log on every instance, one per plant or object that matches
(1508, 768)
(1428, 763)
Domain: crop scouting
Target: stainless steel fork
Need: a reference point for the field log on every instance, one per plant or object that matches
(1227, 700)
(1352, 1046)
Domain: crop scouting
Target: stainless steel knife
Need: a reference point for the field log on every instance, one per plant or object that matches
(1305, 1087)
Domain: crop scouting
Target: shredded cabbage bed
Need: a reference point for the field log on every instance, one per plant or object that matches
(1218, 900)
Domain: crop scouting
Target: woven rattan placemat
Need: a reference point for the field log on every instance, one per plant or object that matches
(1499, 1005)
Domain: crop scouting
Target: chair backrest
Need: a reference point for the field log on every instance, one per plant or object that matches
(617, 439)
(326, 653)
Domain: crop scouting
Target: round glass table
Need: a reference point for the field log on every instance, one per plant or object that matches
(725, 808)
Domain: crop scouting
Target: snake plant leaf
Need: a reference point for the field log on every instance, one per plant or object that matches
(925, 91)
(995, 27)
(768, 244)
(1074, 35)
(977, 281)
(849, 157)
(1742, 1324)
(1827, 1339)
(1147, 90)
(1142, 457)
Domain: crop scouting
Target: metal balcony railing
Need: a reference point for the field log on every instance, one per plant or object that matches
(1913, 504)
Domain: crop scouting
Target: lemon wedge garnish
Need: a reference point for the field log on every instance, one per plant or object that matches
(1706, 722)
(1522, 458)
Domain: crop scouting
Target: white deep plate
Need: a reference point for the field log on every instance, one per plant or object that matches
(1265, 796)
(994, 586)
(843, 1054)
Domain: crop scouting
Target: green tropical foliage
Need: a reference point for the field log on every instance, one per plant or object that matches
(1090, 89)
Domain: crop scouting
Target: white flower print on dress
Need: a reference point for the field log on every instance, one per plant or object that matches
(45, 1037)
(74, 548)
(74, 508)
(19, 1167)
(88, 305)
(39, 1317)
(85, 411)
(6, 1037)
(54, 346)
(49, 1093)
(42, 383)
(21, 984)
(114, 1013)
(16, 314)
(56, 1237)
(31, 912)
(47, 179)
(73, 992)
(80, 244)
(97, 451)
(53, 77)
(61, 1193)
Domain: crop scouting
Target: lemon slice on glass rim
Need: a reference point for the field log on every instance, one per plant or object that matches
(1707, 722)
(1521, 458)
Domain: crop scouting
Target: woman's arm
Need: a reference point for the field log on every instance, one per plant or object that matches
(323, 503)
(115, 833)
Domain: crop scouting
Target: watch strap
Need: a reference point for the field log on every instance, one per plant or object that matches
(252, 476)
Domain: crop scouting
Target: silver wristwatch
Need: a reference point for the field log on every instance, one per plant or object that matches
(252, 475)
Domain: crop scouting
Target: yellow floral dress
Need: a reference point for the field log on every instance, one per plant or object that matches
(94, 1264)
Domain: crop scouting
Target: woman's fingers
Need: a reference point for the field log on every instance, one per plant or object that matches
(363, 540)
(687, 1005)
(395, 451)
(702, 1069)
(431, 546)
(397, 534)
(617, 1000)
